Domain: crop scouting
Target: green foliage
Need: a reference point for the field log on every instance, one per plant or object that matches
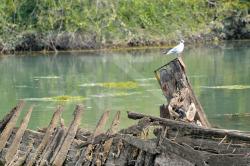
(114, 20)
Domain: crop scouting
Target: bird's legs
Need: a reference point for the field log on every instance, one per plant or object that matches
(181, 61)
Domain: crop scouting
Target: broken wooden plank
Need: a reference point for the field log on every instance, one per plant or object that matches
(62, 154)
(10, 125)
(46, 137)
(190, 129)
(112, 130)
(20, 157)
(18, 137)
(102, 149)
(164, 112)
(137, 129)
(148, 146)
(140, 161)
(101, 123)
(177, 89)
(53, 147)
(6, 119)
(86, 154)
(185, 152)
(228, 159)
(170, 159)
(213, 146)
(149, 159)
(115, 124)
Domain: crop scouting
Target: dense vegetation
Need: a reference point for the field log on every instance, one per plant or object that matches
(81, 24)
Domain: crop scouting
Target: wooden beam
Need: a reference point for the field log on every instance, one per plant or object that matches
(62, 154)
(185, 152)
(147, 146)
(47, 136)
(18, 137)
(86, 155)
(190, 129)
(10, 125)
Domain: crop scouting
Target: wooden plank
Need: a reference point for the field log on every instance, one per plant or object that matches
(149, 159)
(20, 157)
(115, 124)
(6, 119)
(101, 123)
(228, 159)
(189, 129)
(62, 154)
(47, 136)
(10, 125)
(213, 146)
(112, 130)
(53, 147)
(187, 153)
(148, 146)
(102, 150)
(140, 161)
(18, 137)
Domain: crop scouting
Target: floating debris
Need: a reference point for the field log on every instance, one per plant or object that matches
(68, 98)
(229, 87)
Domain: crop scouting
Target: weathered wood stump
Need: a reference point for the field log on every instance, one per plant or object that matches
(179, 93)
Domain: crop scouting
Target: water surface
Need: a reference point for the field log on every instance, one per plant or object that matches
(124, 81)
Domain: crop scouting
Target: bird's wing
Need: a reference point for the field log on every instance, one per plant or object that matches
(174, 50)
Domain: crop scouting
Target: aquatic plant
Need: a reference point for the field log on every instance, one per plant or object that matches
(122, 85)
(229, 87)
(57, 98)
(115, 85)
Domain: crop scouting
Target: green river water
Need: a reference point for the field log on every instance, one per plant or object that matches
(124, 80)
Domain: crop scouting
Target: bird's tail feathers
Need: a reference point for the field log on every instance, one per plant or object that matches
(169, 52)
(166, 52)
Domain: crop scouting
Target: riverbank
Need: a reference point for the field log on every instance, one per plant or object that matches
(53, 26)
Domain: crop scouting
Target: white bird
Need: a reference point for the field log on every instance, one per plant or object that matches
(177, 49)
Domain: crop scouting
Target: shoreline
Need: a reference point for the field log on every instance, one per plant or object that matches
(115, 49)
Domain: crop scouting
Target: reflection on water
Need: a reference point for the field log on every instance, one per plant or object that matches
(125, 81)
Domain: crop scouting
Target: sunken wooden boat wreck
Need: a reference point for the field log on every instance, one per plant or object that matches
(181, 136)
